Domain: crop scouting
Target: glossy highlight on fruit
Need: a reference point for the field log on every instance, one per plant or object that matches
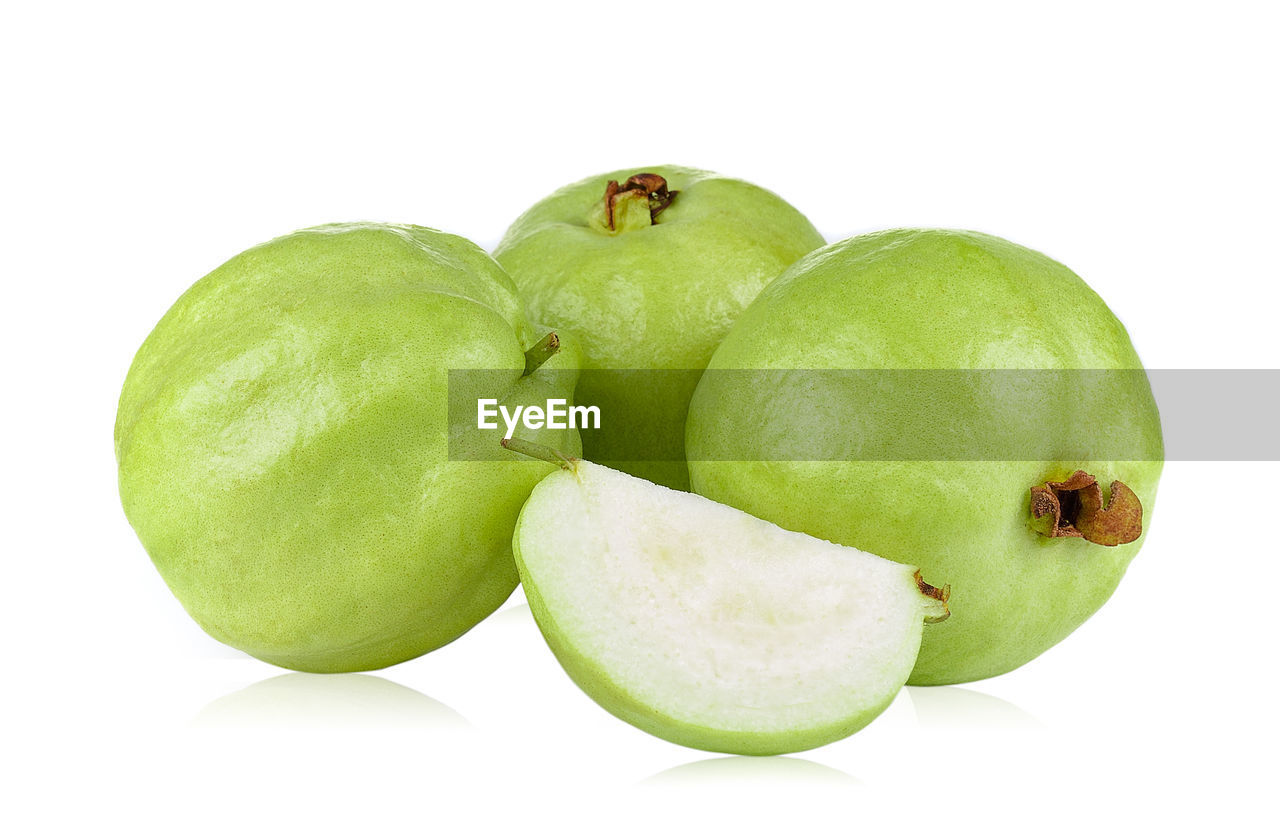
(1027, 541)
(708, 627)
(648, 268)
(283, 444)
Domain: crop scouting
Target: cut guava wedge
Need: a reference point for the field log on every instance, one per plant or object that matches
(711, 628)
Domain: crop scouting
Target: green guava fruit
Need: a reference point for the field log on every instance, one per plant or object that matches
(283, 445)
(708, 627)
(948, 399)
(649, 275)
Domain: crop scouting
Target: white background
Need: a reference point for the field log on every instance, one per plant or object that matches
(145, 144)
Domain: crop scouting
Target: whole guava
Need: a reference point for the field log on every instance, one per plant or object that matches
(283, 441)
(648, 269)
(950, 400)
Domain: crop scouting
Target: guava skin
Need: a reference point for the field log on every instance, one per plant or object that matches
(658, 296)
(281, 440)
(933, 299)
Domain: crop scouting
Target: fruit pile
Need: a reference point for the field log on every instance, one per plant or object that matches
(290, 456)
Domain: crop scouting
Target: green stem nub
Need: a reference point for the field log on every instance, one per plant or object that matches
(635, 203)
(539, 452)
(540, 353)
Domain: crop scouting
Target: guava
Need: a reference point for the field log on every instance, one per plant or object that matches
(283, 444)
(708, 627)
(648, 269)
(891, 351)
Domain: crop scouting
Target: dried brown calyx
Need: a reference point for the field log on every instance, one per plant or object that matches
(648, 186)
(940, 594)
(1073, 509)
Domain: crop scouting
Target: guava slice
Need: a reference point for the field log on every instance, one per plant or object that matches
(711, 628)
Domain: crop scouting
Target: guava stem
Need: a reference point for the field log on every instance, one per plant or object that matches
(652, 185)
(539, 452)
(544, 350)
